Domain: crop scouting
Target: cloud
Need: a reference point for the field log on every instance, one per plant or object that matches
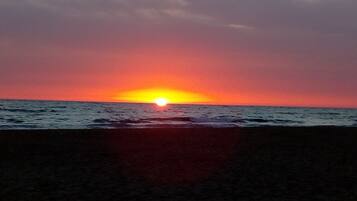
(309, 1)
(240, 27)
(316, 2)
(115, 9)
(186, 15)
(98, 8)
(179, 2)
(155, 11)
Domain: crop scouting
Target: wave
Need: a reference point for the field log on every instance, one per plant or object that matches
(286, 121)
(16, 121)
(327, 113)
(60, 107)
(26, 110)
(102, 121)
(144, 120)
(132, 121)
(256, 120)
(289, 113)
(108, 123)
(275, 121)
(17, 126)
(184, 119)
(124, 121)
(186, 122)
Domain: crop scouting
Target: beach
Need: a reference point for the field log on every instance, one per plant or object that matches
(261, 163)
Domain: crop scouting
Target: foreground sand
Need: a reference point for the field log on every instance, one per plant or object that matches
(179, 164)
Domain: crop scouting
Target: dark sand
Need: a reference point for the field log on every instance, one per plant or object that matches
(179, 164)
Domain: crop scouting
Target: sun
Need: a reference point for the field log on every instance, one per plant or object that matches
(161, 96)
(161, 102)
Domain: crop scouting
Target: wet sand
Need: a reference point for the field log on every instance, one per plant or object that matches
(180, 164)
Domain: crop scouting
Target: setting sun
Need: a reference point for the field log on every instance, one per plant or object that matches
(162, 96)
(161, 102)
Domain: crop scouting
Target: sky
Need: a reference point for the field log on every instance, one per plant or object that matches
(249, 52)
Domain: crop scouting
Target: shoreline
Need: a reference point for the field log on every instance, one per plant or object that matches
(168, 127)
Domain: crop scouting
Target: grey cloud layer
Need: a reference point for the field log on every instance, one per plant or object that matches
(285, 23)
(157, 11)
(327, 16)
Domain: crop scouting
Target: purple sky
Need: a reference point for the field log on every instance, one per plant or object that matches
(279, 52)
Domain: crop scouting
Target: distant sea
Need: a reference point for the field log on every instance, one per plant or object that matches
(16, 114)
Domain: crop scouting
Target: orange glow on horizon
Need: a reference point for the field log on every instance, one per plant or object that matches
(162, 96)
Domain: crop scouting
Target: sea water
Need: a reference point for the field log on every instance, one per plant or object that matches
(18, 114)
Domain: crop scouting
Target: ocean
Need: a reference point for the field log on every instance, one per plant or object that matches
(19, 114)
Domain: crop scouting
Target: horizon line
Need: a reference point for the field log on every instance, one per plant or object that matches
(202, 104)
